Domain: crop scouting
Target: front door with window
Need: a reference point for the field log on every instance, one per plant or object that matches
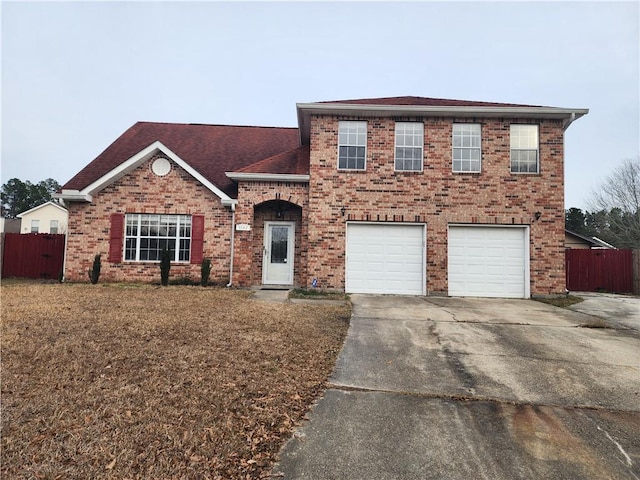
(277, 264)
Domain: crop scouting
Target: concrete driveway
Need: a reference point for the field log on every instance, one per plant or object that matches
(621, 310)
(444, 388)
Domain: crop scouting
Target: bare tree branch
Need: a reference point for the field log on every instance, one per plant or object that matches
(619, 196)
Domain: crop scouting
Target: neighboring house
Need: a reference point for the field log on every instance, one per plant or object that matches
(404, 195)
(575, 240)
(46, 218)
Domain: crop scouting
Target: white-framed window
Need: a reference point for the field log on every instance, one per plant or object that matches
(467, 153)
(147, 235)
(35, 226)
(53, 227)
(352, 145)
(409, 146)
(524, 149)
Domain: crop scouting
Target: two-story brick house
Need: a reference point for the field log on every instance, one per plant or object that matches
(404, 195)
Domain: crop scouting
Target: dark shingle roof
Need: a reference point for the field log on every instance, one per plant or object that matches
(212, 150)
(293, 162)
(425, 101)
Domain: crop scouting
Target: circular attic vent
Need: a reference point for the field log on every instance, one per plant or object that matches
(161, 166)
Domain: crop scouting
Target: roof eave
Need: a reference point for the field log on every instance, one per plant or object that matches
(305, 110)
(73, 196)
(42, 205)
(268, 177)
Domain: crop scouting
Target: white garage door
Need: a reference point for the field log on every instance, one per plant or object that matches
(488, 261)
(385, 258)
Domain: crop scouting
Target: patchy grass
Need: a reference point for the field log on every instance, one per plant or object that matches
(596, 323)
(316, 293)
(563, 302)
(117, 381)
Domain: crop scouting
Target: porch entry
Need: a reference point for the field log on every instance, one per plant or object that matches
(278, 251)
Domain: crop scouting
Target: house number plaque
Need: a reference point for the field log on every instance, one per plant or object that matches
(243, 227)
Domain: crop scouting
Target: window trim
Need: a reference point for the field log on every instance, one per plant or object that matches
(395, 148)
(178, 238)
(35, 226)
(511, 149)
(340, 124)
(453, 147)
(52, 227)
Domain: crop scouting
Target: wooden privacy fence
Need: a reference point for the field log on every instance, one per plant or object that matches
(599, 270)
(33, 255)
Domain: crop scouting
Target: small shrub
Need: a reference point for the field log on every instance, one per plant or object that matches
(205, 271)
(94, 273)
(165, 266)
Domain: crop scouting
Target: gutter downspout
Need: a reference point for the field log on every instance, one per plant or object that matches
(569, 122)
(64, 261)
(233, 238)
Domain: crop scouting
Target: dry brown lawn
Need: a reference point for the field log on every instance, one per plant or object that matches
(131, 381)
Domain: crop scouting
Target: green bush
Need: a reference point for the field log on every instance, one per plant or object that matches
(205, 271)
(94, 272)
(165, 266)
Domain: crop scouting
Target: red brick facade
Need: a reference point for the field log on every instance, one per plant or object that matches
(321, 203)
(436, 196)
(141, 191)
(269, 201)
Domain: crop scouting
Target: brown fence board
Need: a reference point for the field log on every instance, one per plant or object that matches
(599, 270)
(34, 255)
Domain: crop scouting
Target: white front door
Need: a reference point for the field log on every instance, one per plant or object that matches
(277, 262)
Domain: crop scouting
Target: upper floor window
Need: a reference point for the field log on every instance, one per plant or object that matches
(146, 236)
(53, 227)
(524, 149)
(466, 147)
(352, 145)
(409, 146)
(35, 226)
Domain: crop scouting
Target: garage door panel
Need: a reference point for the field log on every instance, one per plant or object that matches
(385, 258)
(487, 261)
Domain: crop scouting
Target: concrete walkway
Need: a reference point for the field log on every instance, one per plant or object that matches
(277, 296)
(623, 310)
(282, 296)
(442, 388)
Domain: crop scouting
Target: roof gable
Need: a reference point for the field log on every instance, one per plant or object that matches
(209, 150)
(39, 207)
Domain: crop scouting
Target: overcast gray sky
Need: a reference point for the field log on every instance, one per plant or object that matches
(76, 75)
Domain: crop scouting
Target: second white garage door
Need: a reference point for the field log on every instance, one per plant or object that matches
(488, 261)
(385, 258)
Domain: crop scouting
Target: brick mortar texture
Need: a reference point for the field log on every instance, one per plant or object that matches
(141, 191)
(437, 196)
(259, 202)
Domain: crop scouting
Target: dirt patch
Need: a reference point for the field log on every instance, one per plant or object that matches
(563, 302)
(318, 294)
(108, 381)
(596, 323)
